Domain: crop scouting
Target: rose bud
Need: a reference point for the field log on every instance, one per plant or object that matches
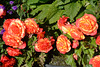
(75, 44)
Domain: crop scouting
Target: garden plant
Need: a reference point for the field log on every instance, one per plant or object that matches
(37, 33)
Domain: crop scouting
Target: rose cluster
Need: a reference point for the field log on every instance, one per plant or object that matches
(15, 31)
(86, 25)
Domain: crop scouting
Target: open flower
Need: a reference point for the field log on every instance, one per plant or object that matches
(6, 62)
(98, 40)
(15, 27)
(95, 61)
(4, 59)
(31, 26)
(13, 52)
(61, 22)
(14, 8)
(10, 40)
(87, 24)
(63, 44)
(43, 45)
(73, 31)
(11, 2)
(9, 63)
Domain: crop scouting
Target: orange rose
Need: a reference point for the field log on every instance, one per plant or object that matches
(73, 31)
(98, 40)
(13, 52)
(76, 33)
(63, 44)
(43, 45)
(31, 26)
(87, 24)
(7, 23)
(61, 22)
(17, 28)
(95, 61)
(10, 40)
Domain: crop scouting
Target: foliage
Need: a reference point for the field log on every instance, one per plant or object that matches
(46, 14)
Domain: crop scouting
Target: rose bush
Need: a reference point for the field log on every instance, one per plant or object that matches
(35, 33)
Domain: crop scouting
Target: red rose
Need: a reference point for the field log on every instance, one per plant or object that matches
(4, 59)
(61, 22)
(9, 63)
(63, 44)
(13, 52)
(31, 26)
(75, 44)
(6, 62)
(95, 61)
(98, 40)
(87, 24)
(10, 40)
(43, 45)
(7, 23)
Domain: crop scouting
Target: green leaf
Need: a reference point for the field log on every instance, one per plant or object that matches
(32, 1)
(88, 65)
(70, 60)
(30, 63)
(56, 16)
(72, 9)
(20, 61)
(78, 51)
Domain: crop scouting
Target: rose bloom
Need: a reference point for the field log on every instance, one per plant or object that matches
(98, 40)
(73, 31)
(31, 26)
(63, 44)
(95, 61)
(43, 45)
(75, 44)
(13, 52)
(6, 62)
(15, 27)
(87, 24)
(7, 23)
(10, 40)
(61, 22)
(2, 11)
(9, 63)
(4, 59)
